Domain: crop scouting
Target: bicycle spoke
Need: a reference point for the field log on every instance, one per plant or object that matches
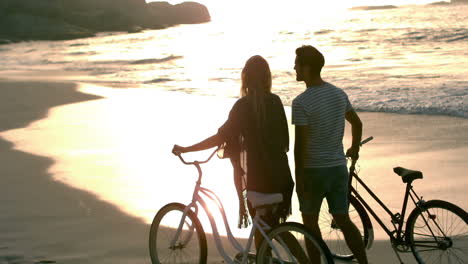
(429, 250)
(190, 243)
(459, 260)
(165, 258)
(439, 234)
(463, 251)
(426, 247)
(332, 234)
(187, 256)
(440, 258)
(340, 239)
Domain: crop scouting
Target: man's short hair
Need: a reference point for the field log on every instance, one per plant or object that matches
(310, 56)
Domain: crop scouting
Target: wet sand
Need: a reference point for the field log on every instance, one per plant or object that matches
(45, 219)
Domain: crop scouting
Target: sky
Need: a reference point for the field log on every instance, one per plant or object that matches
(233, 8)
(342, 3)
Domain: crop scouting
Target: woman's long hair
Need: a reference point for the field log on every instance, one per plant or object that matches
(256, 83)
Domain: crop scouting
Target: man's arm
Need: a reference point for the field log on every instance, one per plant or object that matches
(300, 152)
(356, 131)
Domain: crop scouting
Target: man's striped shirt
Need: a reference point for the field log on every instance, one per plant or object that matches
(322, 108)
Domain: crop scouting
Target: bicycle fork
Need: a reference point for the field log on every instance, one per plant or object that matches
(258, 225)
(191, 227)
(186, 211)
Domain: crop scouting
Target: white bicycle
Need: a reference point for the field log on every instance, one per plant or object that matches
(177, 236)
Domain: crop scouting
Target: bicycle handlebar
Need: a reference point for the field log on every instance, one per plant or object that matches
(353, 162)
(196, 161)
(366, 140)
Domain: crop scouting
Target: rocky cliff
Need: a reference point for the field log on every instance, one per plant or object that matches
(69, 19)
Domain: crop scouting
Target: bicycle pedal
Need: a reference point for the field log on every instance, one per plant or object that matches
(251, 257)
(277, 261)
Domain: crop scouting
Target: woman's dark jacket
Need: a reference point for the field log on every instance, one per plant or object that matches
(258, 153)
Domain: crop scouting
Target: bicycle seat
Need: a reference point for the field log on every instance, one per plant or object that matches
(260, 199)
(408, 175)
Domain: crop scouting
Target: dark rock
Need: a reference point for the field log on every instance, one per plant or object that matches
(5, 41)
(46, 8)
(93, 5)
(162, 5)
(66, 19)
(29, 27)
(135, 29)
(191, 13)
(101, 20)
(184, 13)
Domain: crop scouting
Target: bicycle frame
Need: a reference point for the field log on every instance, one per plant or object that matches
(257, 223)
(397, 219)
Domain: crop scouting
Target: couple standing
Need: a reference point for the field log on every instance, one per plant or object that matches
(255, 137)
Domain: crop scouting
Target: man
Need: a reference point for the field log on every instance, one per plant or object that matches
(319, 115)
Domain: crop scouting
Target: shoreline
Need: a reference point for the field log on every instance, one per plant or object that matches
(46, 219)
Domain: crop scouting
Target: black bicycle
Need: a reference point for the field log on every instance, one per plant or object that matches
(436, 231)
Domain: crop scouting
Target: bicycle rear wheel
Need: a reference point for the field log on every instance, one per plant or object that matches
(190, 246)
(437, 232)
(332, 234)
(293, 243)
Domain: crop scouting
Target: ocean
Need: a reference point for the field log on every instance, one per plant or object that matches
(408, 60)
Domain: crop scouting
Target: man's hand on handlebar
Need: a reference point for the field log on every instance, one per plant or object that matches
(353, 153)
(177, 150)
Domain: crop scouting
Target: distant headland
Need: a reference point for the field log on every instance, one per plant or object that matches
(70, 19)
(373, 7)
(364, 8)
(450, 3)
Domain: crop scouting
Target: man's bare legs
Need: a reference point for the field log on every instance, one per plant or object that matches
(351, 233)
(311, 222)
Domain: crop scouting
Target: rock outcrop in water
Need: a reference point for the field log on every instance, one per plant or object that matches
(70, 19)
(184, 13)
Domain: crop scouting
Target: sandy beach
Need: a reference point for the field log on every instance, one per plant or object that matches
(53, 199)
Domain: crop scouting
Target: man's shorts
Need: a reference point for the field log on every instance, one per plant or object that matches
(330, 183)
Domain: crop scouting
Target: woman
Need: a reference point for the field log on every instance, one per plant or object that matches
(255, 137)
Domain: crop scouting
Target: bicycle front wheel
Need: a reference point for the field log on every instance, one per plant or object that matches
(293, 243)
(332, 234)
(437, 232)
(188, 247)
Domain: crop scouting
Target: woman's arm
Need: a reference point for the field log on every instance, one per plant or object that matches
(210, 142)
